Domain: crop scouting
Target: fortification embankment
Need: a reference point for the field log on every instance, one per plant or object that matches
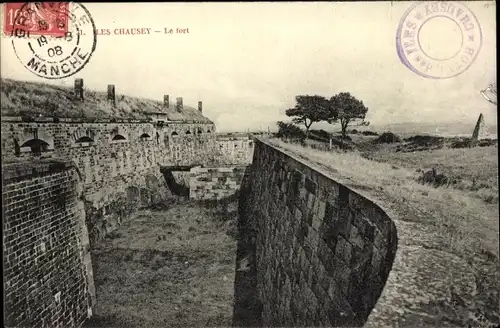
(321, 253)
(47, 269)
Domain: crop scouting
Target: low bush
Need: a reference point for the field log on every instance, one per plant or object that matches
(290, 132)
(387, 137)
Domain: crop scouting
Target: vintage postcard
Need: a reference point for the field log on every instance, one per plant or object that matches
(289, 164)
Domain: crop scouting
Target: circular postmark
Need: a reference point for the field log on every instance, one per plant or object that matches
(53, 42)
(438, 40)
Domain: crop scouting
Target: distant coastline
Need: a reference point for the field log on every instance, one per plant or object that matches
(439, 129)
(454, 129)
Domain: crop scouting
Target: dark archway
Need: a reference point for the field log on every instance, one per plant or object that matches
(119, 137)
(176, 188)
(84, 139)
(37, 145)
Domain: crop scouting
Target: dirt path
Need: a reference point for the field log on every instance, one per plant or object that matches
(169, 268)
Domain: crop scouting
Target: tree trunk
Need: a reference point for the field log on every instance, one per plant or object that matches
(343, 125)
(307, 129)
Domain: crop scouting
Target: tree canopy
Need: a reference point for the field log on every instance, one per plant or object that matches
(309, 109)
(290, 131)
(342, 107)
(347, 109)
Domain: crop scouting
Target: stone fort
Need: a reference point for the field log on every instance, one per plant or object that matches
(76, 163)
(99, 156)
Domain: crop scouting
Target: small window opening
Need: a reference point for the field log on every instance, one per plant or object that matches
(119, 137)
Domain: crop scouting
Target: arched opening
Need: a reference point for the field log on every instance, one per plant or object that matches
(200, 131)
(85, 139)
(37, 146)
(208, 131)
(174, 134)
(145, 136)
(119, 137)
(188, 132)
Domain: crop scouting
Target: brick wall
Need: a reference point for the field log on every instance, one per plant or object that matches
(215, 183)
(319, 253)
(47, 270)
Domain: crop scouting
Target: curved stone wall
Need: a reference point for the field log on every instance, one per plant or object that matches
(319, 254)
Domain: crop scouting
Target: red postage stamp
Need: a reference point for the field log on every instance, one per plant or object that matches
(36, 18)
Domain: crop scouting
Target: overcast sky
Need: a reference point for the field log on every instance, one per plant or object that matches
(247, 62)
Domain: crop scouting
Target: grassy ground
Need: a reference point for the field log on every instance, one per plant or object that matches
(468, 221)
(166, 268)
(43, 99)
(476, 167)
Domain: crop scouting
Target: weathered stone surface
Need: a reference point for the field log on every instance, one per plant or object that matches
(48, 277)
(423, 296)
(329, 262)
(416, 284)
(215, 183)
(113, 157)
(235, 149)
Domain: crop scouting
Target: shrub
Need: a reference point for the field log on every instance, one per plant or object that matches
(437, 180)
(321, 133)
(423, 140)
(387, 137)
(340, 143)
(290, 131)
(461, 144)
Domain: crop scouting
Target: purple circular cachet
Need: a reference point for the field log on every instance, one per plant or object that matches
(461, 46)
(53, 40)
